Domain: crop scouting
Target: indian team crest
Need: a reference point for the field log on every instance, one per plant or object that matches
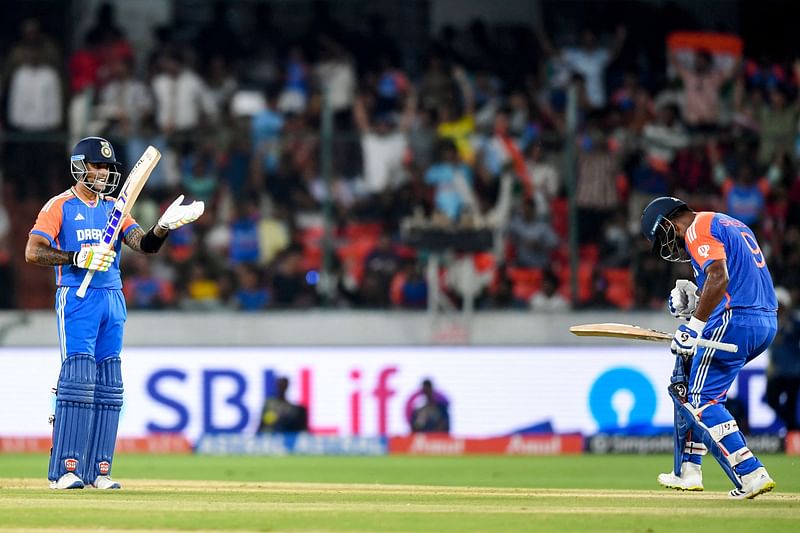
(105, 149)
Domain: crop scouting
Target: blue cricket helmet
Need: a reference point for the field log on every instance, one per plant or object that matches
(658, 228)
(98, 151)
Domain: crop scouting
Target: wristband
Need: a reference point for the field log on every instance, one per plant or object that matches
(151, 243)
(696, 324)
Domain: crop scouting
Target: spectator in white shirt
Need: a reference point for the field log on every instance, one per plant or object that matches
(589, 60)
(34, 96)
(183, 102)
(34, 108)
(384, 145)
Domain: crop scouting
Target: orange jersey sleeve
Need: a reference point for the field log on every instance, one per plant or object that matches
(703, 247)
(48, 223)
(127, 224)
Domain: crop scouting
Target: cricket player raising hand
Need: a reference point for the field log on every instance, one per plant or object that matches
(66, 236)
(734, 301)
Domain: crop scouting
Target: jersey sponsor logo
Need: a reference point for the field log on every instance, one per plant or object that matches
(79, 217)
(71, 464)
(703, 250)
(91, 234)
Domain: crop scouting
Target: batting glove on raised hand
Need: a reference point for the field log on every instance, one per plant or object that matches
(683, 299)
(95, 257)
(684, 342)
(178, 215)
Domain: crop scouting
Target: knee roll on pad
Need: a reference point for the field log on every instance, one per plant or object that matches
(73, 419)
(107, 407)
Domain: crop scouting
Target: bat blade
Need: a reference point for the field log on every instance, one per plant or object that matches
(629, 331)
(128, 194)
(622, 331)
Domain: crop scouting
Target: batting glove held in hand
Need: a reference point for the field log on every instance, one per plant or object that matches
(684, 342)
(94, 257)
(178, 215)
(683, 299)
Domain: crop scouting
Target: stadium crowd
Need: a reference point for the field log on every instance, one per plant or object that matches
(465, 134)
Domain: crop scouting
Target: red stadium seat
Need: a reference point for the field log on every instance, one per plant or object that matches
(620, 287)
(525, 282)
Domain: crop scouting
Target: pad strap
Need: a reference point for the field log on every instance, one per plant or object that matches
(695, 448)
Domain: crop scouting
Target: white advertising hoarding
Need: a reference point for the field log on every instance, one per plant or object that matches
(365, 390)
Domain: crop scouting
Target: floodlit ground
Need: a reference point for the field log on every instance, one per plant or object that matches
(587, 493)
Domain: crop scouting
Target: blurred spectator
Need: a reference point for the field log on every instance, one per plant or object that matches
(427, 411)
(661, 140)
(545, 179)
(380, 266)
(143, 290)
(244, 238)
(783, 372)
(221, 83)
(597, 192)
(249, 294)
(701, 87)
(533, 237)
(383, 145)
(456, 120)
(34, 109)
(203, 290)
(279, 415)
(183, 102)
(199, 175)
(452, 180)
(290, 288)
(33, 42)
(548, 299)
(124, 106)
(336, 75)
(778, 126)
(745, 193)
(588, 59)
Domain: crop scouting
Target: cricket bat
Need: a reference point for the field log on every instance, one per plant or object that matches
(130, 190)
(627, 331)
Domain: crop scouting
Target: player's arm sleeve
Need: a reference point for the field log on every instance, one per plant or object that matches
(704, 247)
(48, 223)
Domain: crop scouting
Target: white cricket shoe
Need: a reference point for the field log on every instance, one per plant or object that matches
(691, 478)
(755, 483)
(67, 481)
(105, 482)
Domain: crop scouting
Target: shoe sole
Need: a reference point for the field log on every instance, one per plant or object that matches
(683, 489)
(763, 490)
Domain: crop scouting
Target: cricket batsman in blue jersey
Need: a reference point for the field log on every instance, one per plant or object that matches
(66, 236)
(734, 302)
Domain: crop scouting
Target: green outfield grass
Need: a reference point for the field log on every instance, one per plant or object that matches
(447, 494)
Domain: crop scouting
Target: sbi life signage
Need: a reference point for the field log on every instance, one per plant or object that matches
(370, 391)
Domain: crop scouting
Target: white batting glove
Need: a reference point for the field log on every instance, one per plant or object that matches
(684, 342)
(178, 215)
(94, 257)
(683, 299)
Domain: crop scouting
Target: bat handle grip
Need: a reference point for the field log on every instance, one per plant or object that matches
(87, 279)
(724, 346)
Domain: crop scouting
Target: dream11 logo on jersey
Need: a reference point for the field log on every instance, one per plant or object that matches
(235, 385)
